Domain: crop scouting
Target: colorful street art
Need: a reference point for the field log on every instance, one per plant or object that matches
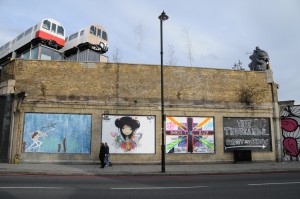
(190, 135)
(290, 120)
(57, 133)
(129, 134)
(241, 133)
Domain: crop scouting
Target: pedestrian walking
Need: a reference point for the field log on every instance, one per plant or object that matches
(107, 162)
(102, 155)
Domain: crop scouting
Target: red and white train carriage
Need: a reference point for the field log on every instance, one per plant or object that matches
(48, 32)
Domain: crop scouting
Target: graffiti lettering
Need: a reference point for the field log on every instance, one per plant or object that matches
(250, 133)
(170, 125)
(240, 142)
(245, 131)
(244, 123)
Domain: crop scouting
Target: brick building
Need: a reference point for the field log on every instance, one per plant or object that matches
(61, 111)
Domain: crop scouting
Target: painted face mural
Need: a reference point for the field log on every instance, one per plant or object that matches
(127, 137)
(290, 120)
(129, 134)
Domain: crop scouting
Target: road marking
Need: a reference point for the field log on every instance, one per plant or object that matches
(275, 183)
(149, 188)
(30, 188)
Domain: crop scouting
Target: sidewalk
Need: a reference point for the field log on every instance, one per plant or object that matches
(139, 170)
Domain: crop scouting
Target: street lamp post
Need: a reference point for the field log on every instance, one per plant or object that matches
(162, 18)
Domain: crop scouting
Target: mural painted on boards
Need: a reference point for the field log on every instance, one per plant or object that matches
(56, 133)
(190, 135)
(242, 133)
(290, 121)
(129, 134)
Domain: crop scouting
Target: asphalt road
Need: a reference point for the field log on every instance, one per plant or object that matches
(272, 185)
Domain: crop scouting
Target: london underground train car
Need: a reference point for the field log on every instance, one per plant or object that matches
(93, 37)
(48, 32)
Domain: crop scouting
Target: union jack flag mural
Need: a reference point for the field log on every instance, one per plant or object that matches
(190, 135)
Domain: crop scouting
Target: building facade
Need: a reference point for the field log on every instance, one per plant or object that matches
(62, 111)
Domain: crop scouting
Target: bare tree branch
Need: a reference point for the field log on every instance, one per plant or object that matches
(139, 35)
(188, 46)
(116, 55)
(238, 66)
(171, 54)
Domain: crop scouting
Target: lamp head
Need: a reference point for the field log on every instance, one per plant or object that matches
(163, 16)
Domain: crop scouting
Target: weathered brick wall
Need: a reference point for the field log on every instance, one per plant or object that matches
(101, 88)
(73, 81)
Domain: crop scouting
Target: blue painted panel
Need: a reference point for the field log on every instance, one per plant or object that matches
(57, 133)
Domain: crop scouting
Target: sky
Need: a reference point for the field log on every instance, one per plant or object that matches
(198, 33)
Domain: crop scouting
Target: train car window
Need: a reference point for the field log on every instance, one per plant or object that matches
(81, 32)
(99, 33)
(34, 53)
(20, 36)
(1, 48)
(26, 55)
(104, 35)
(13, 42)
(53, 27)
(46, 24)
(75, 35)
(93, 30)
(35, 27)
(28, 31)
(60, 30)
(47, 53)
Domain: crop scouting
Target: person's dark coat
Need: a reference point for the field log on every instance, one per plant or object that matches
(102, 155)
(106, 149)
